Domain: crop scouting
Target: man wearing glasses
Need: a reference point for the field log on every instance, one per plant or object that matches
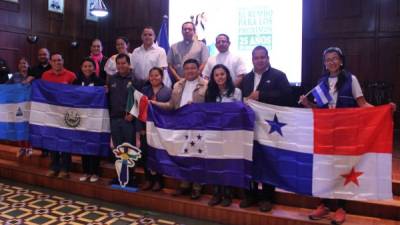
(188, 48)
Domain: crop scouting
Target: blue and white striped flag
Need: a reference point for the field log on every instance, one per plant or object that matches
(206, 143)
(321, 94)
(14, 111)
(69, 118)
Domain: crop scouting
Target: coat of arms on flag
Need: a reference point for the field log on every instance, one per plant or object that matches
(69, 118)
(14, 111)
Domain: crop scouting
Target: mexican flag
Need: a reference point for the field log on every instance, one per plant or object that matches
(137, 104)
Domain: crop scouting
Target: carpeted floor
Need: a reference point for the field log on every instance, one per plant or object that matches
(27, 205)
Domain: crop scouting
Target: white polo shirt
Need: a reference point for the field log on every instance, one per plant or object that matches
(144, 59)
(235, 64)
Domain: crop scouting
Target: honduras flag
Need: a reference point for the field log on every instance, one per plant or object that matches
(69, 118)
(206, 143)
(337, 153)
(14, 111)
(321, 94)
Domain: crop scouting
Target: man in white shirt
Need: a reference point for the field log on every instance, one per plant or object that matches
(148, 55)
(235, 64)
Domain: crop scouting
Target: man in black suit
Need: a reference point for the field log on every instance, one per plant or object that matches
(3, 71)
(268, 85)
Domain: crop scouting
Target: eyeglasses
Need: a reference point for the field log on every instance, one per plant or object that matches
(222, 42)
(334, 59)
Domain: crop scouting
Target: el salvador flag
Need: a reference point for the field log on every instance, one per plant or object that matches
(335, 153)
(206, 143)
(69, 118)
(14, 111)
(321, 94)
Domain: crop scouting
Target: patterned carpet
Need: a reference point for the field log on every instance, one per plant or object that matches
(23, 206)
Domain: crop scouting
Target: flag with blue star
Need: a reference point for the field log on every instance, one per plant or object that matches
(324, 153)
(276, 126)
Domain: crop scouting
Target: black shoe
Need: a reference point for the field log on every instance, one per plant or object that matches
(265, 206)
(181, 191)
(226, 201)
(157, 186)
(44, 153)
(247, 202)
(114, 181)
(146, 186)
(196, 194)
(215, 200)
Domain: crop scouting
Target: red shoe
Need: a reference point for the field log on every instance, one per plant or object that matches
(319, 213)
(340, 217)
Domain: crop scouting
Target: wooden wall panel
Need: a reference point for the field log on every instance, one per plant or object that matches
(343, 16)
(12, 47)
(389, 63)
(55, 31)
(132, 16)
(368, 33)
(15, 16)
(360, 57)
(390, 16)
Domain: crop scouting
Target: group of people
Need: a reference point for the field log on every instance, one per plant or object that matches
(198, 78)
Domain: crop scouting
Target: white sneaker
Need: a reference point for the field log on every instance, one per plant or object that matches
(94, 178)
(28, 152)
(84, 177)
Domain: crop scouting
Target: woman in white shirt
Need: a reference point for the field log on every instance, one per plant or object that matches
(345, 91)
(221, 89)
(122, 46)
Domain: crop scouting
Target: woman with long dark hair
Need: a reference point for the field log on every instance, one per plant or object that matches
(155, 90)
(221, 89)
(346, 92)
(87, 77)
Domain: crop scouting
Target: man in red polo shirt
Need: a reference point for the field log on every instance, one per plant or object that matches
(60, 161)
(58, 73)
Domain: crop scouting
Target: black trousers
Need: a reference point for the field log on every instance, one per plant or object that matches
(222, 191)
(60, 161)
(149, 175)
(265, 194)
(90, 164)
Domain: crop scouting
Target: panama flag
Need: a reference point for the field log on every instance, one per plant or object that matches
(335, 153)
(69, 118)
(206, 143)
(14, 111)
